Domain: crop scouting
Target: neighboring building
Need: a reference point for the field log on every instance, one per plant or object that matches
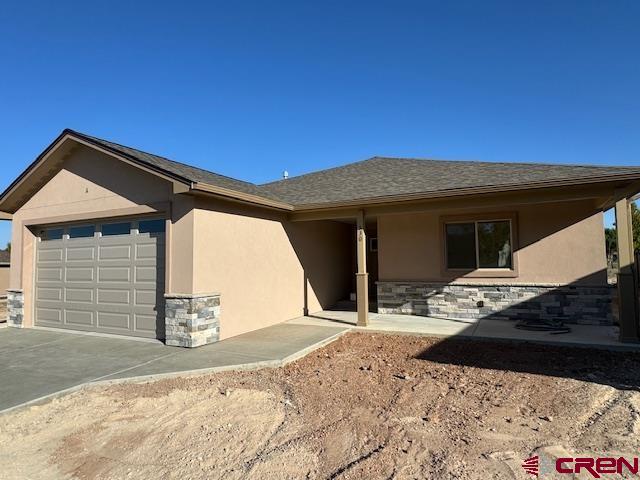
(111, 239)
(5, 257)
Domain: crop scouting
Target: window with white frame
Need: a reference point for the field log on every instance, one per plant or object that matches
(479, 244)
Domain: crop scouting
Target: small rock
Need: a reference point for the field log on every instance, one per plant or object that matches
(502, 456)
(546, 418)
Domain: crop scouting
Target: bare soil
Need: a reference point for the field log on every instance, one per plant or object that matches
(365, 407)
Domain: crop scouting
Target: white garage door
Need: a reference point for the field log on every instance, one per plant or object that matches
(102, 277)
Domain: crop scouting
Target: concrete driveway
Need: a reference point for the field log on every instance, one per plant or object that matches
(35, 364)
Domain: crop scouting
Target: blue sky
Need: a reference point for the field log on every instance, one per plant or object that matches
(249, 89)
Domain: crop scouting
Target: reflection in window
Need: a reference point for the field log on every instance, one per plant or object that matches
(481, 244)
(494, 244)
(151, 226)
(82, 231)
(52, 234)
(116, 228)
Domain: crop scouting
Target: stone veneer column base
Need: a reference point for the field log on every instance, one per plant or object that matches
(571, 303)
(15, 308)
(192, 320)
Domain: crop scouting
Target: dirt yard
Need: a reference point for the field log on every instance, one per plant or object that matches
(365, 407)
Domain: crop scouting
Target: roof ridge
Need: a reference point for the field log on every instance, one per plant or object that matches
(501, 162)
(317, 171)
(158, 156)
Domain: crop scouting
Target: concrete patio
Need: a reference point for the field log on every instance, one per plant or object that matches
(38, 363)
(580, 335)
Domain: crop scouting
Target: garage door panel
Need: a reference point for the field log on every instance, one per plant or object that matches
(113, 296)
(78, 317)
(145, 323)
(145, 274)
(114, 274)
(112, 283)
(79, 295)
(146, 298)
(53, 255)
(51, 315)
(144, 252)
(115, 252)
(49, 274)
(114, 320)
(78, 274)
(75, 254)
(49, 293)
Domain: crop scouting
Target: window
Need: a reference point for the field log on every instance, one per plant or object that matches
(116, 228)
(373, 244)
(479, 244)
(52, 234)
(151, 226)
(82, 231)
(461, 245)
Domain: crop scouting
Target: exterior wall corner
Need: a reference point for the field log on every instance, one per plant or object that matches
(192, 320)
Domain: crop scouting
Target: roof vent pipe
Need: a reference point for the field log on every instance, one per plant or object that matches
(285, 175)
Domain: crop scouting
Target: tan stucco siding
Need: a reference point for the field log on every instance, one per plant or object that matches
(259, 263)
(558, 243)
(4, 279)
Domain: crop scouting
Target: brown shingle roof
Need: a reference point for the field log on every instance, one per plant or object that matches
(386, 177)
(379, 177)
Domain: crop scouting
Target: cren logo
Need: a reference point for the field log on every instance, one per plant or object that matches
(532, 465)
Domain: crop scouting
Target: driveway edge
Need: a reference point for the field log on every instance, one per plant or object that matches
(240, 367)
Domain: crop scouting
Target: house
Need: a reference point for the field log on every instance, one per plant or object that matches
(110, 239)
(5, 257)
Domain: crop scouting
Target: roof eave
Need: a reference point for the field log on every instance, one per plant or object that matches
(234, 195)
(70, 135)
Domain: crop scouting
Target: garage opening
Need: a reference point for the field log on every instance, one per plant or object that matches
(105, 277)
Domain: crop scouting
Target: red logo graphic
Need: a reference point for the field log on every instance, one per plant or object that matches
(531, 465)
(594, 466)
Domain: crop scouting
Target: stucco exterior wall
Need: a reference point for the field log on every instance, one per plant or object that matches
(559, 243)
(4, 279)
(260, 264)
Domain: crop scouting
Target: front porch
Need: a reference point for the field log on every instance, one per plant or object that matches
(599, 336)
(477, 266)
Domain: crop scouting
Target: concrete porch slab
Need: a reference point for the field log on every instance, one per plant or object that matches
(37, 364)
(580, 335)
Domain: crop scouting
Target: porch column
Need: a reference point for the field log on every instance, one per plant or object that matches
(627, 293)
(362, 277)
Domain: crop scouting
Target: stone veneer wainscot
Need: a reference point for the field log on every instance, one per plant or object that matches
(571, 303)
(15, 307)
(192, 320)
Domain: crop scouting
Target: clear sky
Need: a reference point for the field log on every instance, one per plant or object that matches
(249, 89)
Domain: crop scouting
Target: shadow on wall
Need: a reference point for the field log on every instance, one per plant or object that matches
(618, 369)
(325, 251)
